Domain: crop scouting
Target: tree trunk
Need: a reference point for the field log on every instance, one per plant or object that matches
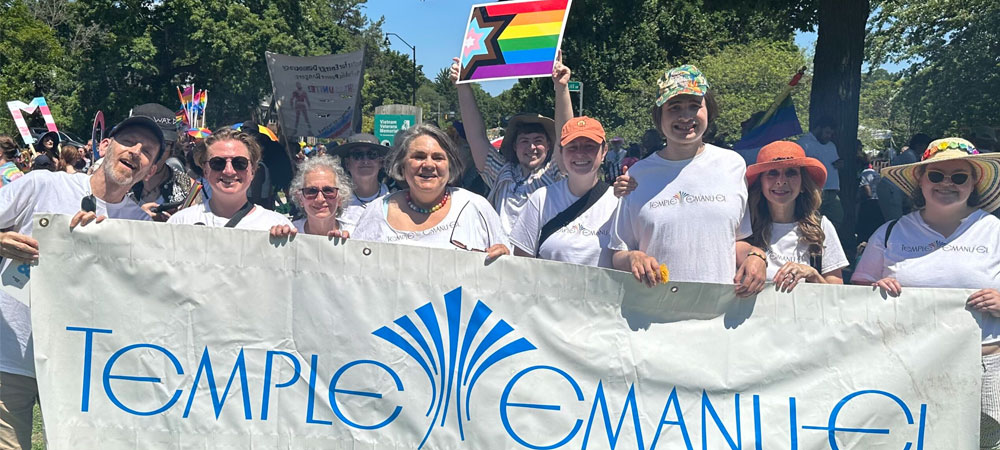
(836, 93)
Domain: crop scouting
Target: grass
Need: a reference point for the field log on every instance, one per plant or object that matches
(37, 436)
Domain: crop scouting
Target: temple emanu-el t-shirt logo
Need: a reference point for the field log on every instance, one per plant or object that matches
(682, 197)
(459, 369)
(939, 245)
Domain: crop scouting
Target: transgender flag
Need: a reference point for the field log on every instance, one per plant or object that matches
(515, 39)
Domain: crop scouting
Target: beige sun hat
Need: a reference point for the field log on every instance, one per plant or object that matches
(987, 167)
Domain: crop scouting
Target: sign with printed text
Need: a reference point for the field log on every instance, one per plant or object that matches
(195, 337)
(387, 125)
(317, 96)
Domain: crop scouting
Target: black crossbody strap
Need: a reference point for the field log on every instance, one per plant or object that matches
(888, 229)
(570, 214)
(247, 207)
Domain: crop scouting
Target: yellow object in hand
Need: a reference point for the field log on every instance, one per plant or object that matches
(664, 273)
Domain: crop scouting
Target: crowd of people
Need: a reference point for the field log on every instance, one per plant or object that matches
(557, 189)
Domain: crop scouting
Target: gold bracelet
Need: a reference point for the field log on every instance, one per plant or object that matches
(759, 255)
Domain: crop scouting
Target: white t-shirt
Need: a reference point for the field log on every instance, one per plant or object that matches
(826, 154)
(300, 224)
(918, 256)
(510, 188)
(41, 191)
(259, 218)
(786, 247)
(687, 214)
(471, 220)
(583, 241)
(352, 212)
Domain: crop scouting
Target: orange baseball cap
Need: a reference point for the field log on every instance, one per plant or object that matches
(582, 126)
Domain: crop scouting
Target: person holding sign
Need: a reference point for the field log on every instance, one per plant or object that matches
(524, 163)
(430, 213)
(229, 160)
(319, 188)
(784, 198)
(689, 195)
(131, 148)
(950, 241)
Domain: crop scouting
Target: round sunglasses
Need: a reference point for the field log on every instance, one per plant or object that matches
(218, 163)
(957, 179)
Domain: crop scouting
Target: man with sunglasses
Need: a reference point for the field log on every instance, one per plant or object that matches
(131, 149)
(362, 157)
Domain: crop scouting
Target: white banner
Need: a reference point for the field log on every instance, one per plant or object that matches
(193, 337)
(317, 95)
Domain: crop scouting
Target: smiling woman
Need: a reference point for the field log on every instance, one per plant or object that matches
(429, 212)
(229, 160)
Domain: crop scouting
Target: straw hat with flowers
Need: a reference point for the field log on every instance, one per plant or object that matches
(986, 166)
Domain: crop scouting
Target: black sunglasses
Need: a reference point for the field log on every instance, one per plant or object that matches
(329, 192)
(366, 154)
(218, 163)
(957, 179)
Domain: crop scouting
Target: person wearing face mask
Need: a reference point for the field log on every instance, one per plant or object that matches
(784, 197)
(950, 241)
(319, 189)
(362, 156)
(524, 163)
(228, 159)
(430, 212)
(132, 147)
(687, 194)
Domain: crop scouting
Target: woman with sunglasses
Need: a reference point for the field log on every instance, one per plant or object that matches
(784, 198)
(362, 156)
(950, 241)
(319, 189)
(228, 159)
(430, 213)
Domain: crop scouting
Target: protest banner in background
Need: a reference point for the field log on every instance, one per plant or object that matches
(16, 108)
(194, 337)
(317, 96)
(516, 39)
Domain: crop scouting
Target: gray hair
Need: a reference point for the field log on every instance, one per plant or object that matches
(331, 163)
(397, 157)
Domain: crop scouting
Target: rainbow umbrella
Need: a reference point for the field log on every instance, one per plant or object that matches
(199, 133)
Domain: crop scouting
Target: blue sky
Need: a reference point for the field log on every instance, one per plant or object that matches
(435, 28)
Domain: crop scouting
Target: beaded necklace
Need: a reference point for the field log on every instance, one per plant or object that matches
(439, 205)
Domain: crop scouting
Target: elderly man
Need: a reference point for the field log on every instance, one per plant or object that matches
(131, 149)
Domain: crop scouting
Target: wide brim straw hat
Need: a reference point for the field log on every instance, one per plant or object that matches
(359, 141)
(507, 146)
(782, 155)
(987, 166)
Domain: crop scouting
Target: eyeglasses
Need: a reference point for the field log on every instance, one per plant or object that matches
(957, 179)
(459, 244)
(218, 163)
(329, 192)
(363, 154)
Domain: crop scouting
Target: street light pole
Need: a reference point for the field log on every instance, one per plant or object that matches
(414, 48)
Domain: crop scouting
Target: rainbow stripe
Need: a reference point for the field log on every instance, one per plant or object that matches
(528, 42)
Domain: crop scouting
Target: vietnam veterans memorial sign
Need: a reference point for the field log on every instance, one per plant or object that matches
(194, 337)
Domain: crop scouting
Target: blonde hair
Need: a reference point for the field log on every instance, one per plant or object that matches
(227, 134)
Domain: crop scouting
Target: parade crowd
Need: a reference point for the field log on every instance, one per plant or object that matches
(675, 207)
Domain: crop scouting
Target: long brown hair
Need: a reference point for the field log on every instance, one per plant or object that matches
(806, 214)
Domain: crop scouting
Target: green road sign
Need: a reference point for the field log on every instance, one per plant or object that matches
(575, 86)
(387, 125)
